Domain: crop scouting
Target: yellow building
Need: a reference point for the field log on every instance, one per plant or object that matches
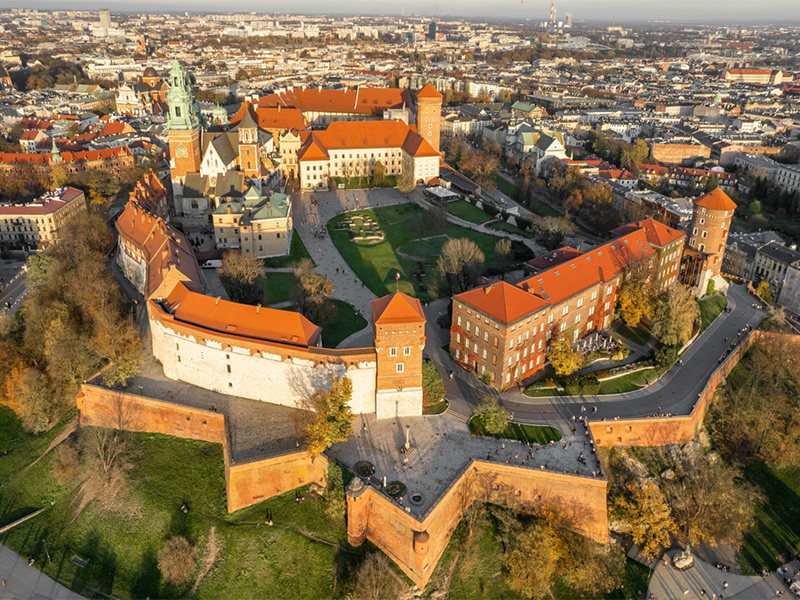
(39, 223)
(259, 225)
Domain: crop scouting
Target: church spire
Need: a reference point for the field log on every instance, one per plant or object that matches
(183, 113)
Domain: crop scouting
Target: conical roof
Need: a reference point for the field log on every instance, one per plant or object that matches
(716, 200)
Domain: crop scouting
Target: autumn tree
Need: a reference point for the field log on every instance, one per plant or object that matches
(675, 315)
(493, 415)
(311, 291)
(562, 356)
(646, 515)
(533, 560)
(406, 183)
(375, 579)
(635, 295)
(243, 278)
(553, 230)
(505, 255)
(432, 385)
(764, 291)
(379, 173)
(458, 267)
(177, 560)
(333, 417)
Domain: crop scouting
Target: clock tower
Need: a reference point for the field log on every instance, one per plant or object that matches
(183, 126)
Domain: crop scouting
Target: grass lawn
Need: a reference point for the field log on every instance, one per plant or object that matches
(628, 383)
(503, 226)
(376, 263)
(539, 434)
(535, 390)
(638, 335)
(435, 409)
(344, 323)
(465, 210)
(710, 309)
(278, 286)
(504, 185)
(544, 210)
(297, 250)
(122, 546)
(777, 526)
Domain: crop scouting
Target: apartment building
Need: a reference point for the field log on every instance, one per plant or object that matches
(39, 223)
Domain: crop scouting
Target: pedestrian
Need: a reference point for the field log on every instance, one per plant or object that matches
(4, 583)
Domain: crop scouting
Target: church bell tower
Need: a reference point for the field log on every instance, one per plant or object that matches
(183, 126)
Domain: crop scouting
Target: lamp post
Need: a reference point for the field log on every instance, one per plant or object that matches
(408, 442)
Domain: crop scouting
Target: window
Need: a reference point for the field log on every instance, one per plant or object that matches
(469, 326)
(694, 231)
(400, 367)
(705, 233)
(563, 327)
(564, 311)
(477, 331)
(392, 351)
(577, 319)
(605, 306)
(406, 350)
(459, 321)
(609, 290)
(591, 310)
(485, 336)
(580, 302)
(458, 338)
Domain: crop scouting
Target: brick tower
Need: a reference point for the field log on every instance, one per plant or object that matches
(399, 327)
(248, 145)
(183, 126)
(707, 235)
(429, 115)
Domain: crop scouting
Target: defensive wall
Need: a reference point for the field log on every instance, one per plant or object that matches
(246, 483)
(660, 431)
(417, 545)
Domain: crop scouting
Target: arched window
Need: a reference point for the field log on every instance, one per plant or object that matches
(195, 206)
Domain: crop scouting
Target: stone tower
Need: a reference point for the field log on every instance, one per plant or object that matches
(183, 126)
(250, 161)
(429, 115)
(399, 327)
(707, 236)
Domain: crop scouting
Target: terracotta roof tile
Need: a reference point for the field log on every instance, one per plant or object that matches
(397, 308)
(716, 200)
(502, 301)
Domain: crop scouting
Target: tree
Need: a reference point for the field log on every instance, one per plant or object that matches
(432, 385)
(764, 291)
(675, 316)
(505, 256)
(458, 267)
(311, 289)
(379, 173)
(333, 418)
(645, 512)
(39, 408)
(553, 230)
(494, 416)
(375, 580)
(242, 277)
(533, 560)
(177, 561)
(405, 182)
(335, 503)
(635, 296)
(564, 359)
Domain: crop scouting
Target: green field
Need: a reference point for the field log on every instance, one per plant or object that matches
(377, 263)
(505, 186)
(628, 383)
(465, 210)
(539, 434)
(638, 335)
(278, 286)
(503, 226)
(297, 250)
(710, 309)
(344, 323)
(121, 545)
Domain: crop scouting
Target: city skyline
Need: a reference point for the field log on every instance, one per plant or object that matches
(536, 10)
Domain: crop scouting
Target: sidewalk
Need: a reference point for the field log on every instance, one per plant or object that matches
(23, 581)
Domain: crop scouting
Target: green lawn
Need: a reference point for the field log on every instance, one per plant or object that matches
(344, 323)
(777, 526)
(545, 210)
(710, 309)
(638, 335)
(505, 186)
(278, 286)
(377, 263)
(122, 546)
(297, 250)
(503, 226)
(465, 210)
(539, 434)
(628, 383)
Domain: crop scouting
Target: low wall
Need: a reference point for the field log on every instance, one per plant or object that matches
(101, 407)
(254, 482)
(373, 516)
(660, 431)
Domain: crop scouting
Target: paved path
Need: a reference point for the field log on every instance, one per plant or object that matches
(23, 581)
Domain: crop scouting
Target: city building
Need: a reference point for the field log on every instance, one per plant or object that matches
(40, 223)
(772, 263)
(708, 234)
(790, 292)
(739, 259)
(258, 225)
(757, 76)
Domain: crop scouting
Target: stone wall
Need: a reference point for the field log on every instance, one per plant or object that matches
(373, 516)
(280, 374)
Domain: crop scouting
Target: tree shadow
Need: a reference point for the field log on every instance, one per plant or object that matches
(147, 582)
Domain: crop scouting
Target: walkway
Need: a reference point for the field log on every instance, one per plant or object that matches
(22, 581)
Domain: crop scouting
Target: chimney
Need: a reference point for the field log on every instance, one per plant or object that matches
(279, 108)
(216, 302)
(228, 209)
(258, 309)
(487, 289)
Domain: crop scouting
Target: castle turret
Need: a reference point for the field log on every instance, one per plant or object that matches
(707, 236)
(429, 115)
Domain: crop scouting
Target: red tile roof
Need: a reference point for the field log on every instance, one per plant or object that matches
(551, 259)
(365, 101)
(502, 302)
(45, 205)
(716, 200)
(657, 233)
(397, 308)
(428, 91)
(340, 135)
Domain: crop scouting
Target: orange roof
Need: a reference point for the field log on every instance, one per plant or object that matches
(312, 149)
(340, 135)
(363, 100)
(502, 301)
(397, 308)
(428, 91)
(242, 320)
(600, 265)
(44, 205)
(657, 233)
(716, 200)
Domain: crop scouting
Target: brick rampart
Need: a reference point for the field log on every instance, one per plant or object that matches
(374, 516)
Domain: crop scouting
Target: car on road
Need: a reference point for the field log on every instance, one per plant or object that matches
(213, 263)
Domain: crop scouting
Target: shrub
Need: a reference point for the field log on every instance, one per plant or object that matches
(490, 209)
(584, 384)
(432, 385)
(665, 356)
(176, 561)
(711, 287)
(495, 417)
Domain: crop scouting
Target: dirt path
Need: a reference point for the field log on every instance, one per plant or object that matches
(69, 428)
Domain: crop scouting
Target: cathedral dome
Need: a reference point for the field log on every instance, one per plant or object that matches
(150, 72)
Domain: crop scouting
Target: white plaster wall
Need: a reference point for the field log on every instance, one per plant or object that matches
(267, 378)
(133, 270)
(405, 403)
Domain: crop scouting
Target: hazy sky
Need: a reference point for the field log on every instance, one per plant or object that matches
(620, 10)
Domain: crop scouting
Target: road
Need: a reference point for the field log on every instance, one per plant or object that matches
(22, 581)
